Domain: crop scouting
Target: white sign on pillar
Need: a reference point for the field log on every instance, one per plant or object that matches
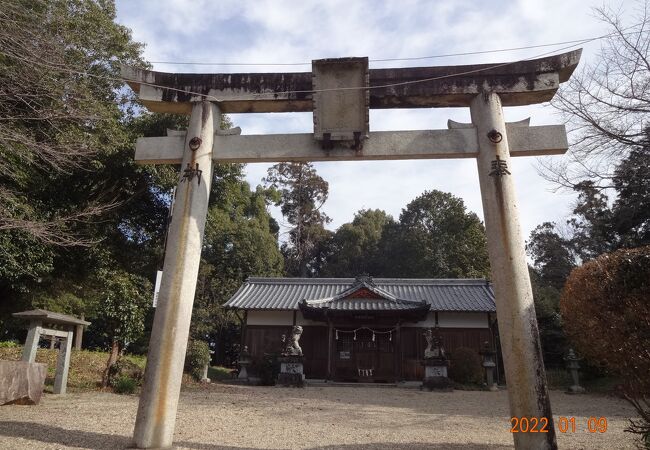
(156, 289)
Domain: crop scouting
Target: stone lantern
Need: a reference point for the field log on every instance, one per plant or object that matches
(573, 365)
(244, 361)
(489, 363)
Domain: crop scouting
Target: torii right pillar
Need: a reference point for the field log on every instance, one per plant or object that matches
(522, 353)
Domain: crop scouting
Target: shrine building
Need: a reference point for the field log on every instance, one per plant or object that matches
(364, 329)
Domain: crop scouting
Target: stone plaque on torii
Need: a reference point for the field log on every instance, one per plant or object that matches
(340, 92)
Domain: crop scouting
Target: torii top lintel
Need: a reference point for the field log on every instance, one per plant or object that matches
(517, 83)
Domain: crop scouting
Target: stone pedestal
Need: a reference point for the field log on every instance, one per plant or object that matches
(291, 371)
(204, 377)
(435, 375)
(21, 382)
(489, 374)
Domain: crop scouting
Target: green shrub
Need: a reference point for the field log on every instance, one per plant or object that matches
(8, 344)
(196, 358)
(125, 385)
(267, 369)
(465, 366)
(125, 368)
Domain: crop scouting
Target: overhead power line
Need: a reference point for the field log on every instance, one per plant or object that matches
(275, 93)
(414, 58)
(574, 44)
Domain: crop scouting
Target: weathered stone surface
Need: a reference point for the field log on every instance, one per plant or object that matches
(154, 426)
(21, 382)
(291, 371)
(518, 83)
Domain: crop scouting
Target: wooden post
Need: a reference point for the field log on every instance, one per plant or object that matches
(398, 351)
(156, 417)
(519, 335)
(63, 365)
(329, 350)
(78, 334)
(31, 343)
(243, 331)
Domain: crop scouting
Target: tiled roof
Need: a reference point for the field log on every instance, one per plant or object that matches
(50, 317)
(441, 294)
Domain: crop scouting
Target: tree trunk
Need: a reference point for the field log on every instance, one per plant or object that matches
(112, 359)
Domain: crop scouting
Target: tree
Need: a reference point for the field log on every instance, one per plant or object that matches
(435, 237)
(590, 224)
(631, 209)
(599, 226)
(354, 248)
(302, 194)
(552, 254)
(121, 300)
(606, 313)
(606, 104)
(240, 241)
(59, 79)
(553, 259)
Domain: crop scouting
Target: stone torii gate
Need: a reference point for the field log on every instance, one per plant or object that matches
(340, 92)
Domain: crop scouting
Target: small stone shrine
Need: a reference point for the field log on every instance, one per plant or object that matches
(435, 362)
(489, 363)
(291, 360)
(573, 365)
(62, 326)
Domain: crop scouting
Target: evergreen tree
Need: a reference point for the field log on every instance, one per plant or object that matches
(354, 248)
(240, 241)
(302, 194)
(436, 237)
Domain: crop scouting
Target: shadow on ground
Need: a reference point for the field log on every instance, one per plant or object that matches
(56, 435)
(370, 446)
(50, 434)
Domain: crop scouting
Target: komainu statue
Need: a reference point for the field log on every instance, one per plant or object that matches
(434, 344)
(291, 347)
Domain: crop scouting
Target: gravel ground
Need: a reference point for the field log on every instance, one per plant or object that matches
(242, 417)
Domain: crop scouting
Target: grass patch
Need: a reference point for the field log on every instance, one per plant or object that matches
(126, 385)
(219, 373)
(86, 367)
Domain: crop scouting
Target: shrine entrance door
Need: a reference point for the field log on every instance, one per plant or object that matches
(365, 355)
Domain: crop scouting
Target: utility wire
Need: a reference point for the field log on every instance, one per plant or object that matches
(276, 93)
(575, 43)
(422, 80)
(414, 58)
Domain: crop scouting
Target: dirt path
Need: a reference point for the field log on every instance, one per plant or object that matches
(242, 417)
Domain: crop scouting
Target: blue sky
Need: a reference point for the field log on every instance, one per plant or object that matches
(267, 31)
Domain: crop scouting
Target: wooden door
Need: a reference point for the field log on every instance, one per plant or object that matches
(360, 357)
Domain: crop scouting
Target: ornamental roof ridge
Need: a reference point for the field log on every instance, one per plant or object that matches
(438, 281)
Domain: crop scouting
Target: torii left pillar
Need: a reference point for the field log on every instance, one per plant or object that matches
(154, 425)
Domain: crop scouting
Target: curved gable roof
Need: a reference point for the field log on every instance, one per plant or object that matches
(462, 295)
